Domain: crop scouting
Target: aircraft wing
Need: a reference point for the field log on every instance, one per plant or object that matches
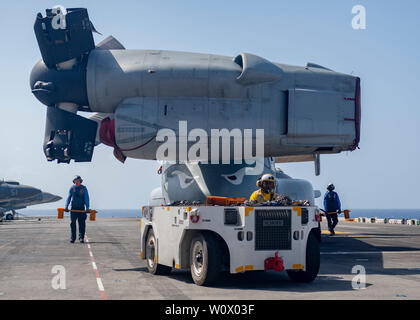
(297, 158)
(302, 158)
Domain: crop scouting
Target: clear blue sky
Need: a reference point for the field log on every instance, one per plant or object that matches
(384, 173)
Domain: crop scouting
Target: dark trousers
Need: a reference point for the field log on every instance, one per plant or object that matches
(81, 219)
(332, 220)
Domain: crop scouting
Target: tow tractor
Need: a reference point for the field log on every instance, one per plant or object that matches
(210, 239)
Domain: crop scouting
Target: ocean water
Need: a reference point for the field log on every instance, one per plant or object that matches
(386, 213)
(136, 213)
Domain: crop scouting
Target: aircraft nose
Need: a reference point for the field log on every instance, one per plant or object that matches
(48, 197)
(54, 198)
(25, 192)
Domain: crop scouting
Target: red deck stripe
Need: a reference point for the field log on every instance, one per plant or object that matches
(102, 292)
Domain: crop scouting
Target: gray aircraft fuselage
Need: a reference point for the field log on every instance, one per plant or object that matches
(136, 94)
(302, 110)
(11, 190)
(14, 196)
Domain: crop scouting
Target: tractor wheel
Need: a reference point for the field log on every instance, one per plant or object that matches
(152, 265)
(205, 259)
(312, 262)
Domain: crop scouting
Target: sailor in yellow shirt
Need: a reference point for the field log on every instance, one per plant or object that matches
(267, 185)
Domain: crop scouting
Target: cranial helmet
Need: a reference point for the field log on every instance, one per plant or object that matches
(330, 187)
(266, 177)
(77, 178)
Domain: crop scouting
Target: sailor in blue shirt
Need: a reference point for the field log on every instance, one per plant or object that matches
(331, 204)
(79, 197)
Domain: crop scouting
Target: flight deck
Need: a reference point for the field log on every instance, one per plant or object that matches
(34, 252)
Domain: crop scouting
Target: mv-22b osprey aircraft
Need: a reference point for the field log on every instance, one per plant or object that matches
(133, 94)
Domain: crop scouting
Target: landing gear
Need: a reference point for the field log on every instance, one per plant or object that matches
(11, 216)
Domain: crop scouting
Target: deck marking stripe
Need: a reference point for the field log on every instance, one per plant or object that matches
(103, 296)
(95, 270)
(369, 252)
(97, 274)
(1, 247)
(337, 232)
(100, 285)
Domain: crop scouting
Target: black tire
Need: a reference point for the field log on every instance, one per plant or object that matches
(152, 266)
(312, 262)
(9, 216)
(318, 232)
(205, 259)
